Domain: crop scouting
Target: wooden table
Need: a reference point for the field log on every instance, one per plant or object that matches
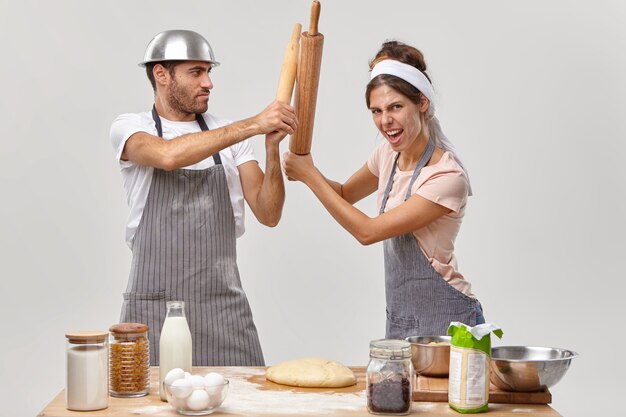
(251, 395)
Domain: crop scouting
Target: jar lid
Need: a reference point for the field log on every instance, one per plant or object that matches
(126, 328)
(87, 336)
(390, 349)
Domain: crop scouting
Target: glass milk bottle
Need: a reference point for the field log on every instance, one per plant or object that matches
(87, 386)
(175, 343)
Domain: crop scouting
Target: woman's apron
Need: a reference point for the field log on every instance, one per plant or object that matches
(419, 301)
(185, 249)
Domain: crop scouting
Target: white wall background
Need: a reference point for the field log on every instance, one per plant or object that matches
(532, 93)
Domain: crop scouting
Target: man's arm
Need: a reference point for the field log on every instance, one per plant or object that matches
(265, 193)
(146, 149)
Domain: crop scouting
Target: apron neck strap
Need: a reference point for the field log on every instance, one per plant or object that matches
(199, 119)
(426, 155)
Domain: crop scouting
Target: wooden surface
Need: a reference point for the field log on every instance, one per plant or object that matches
(251, 395)
(436, 390)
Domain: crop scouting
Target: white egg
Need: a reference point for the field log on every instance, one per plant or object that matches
(187, 375)
(216, 399)
(178, 403)
(213, 378)
(198, 400)
(197, 381)
(213, 382)
(181, 388)
(173, 375)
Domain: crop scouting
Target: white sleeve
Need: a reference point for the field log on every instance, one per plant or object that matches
(242, 152)
(123, 127)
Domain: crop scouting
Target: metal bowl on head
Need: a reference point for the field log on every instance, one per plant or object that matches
(528, 368)
(430, 355)
(178, 45)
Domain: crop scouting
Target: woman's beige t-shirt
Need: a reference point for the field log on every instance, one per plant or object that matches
(444, 183)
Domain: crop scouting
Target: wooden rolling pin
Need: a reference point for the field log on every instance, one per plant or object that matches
(290, 65)
(308, 76)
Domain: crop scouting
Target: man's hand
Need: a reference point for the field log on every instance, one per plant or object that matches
(277, 117)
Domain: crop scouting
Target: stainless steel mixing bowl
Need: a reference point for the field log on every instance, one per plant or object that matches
(430, 355)
(528, 368)
(178, 45)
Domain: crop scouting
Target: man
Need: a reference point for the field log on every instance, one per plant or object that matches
(186, 174)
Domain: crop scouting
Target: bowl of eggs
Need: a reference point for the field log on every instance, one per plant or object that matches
(195, 395)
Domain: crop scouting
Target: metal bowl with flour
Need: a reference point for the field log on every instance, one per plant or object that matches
(430, 355)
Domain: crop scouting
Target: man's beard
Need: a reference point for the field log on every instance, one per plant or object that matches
(184, 101)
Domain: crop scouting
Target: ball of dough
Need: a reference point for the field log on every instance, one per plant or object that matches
(312, 373)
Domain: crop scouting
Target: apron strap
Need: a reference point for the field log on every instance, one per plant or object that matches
(389, 184)
(159, 127)
(426, 155)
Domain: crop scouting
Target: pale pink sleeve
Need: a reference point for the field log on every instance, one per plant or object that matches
(373, 162)
(447, 188)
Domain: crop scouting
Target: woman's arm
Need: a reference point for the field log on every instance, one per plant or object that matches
(361, 184)
(413, 214)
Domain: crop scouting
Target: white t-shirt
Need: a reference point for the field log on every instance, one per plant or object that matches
(137, 178)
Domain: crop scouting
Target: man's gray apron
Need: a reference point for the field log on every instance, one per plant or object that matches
(185, 249)
(419, 301)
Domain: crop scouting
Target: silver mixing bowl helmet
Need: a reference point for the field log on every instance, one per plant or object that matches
(178, 45)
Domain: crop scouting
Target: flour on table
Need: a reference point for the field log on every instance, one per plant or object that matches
(153, 409)
(244, 396)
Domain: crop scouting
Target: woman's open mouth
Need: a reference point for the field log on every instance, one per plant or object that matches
(393, 136)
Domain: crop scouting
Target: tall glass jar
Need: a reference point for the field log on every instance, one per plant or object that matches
(86, 385)
(389, 377)
(129, 360)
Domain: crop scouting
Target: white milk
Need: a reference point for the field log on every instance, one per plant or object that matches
(87, 385)
(175, 348)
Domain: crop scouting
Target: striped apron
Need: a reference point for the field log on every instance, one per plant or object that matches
(419, 301)
(185, 249)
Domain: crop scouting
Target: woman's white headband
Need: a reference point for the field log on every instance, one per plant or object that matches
(418, 80)
(409, 74)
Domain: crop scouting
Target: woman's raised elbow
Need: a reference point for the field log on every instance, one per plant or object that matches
(366, 239)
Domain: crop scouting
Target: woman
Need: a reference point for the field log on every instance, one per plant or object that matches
(422, 191)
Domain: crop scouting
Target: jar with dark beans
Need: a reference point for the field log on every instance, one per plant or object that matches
(388, 377)
(390, 397)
